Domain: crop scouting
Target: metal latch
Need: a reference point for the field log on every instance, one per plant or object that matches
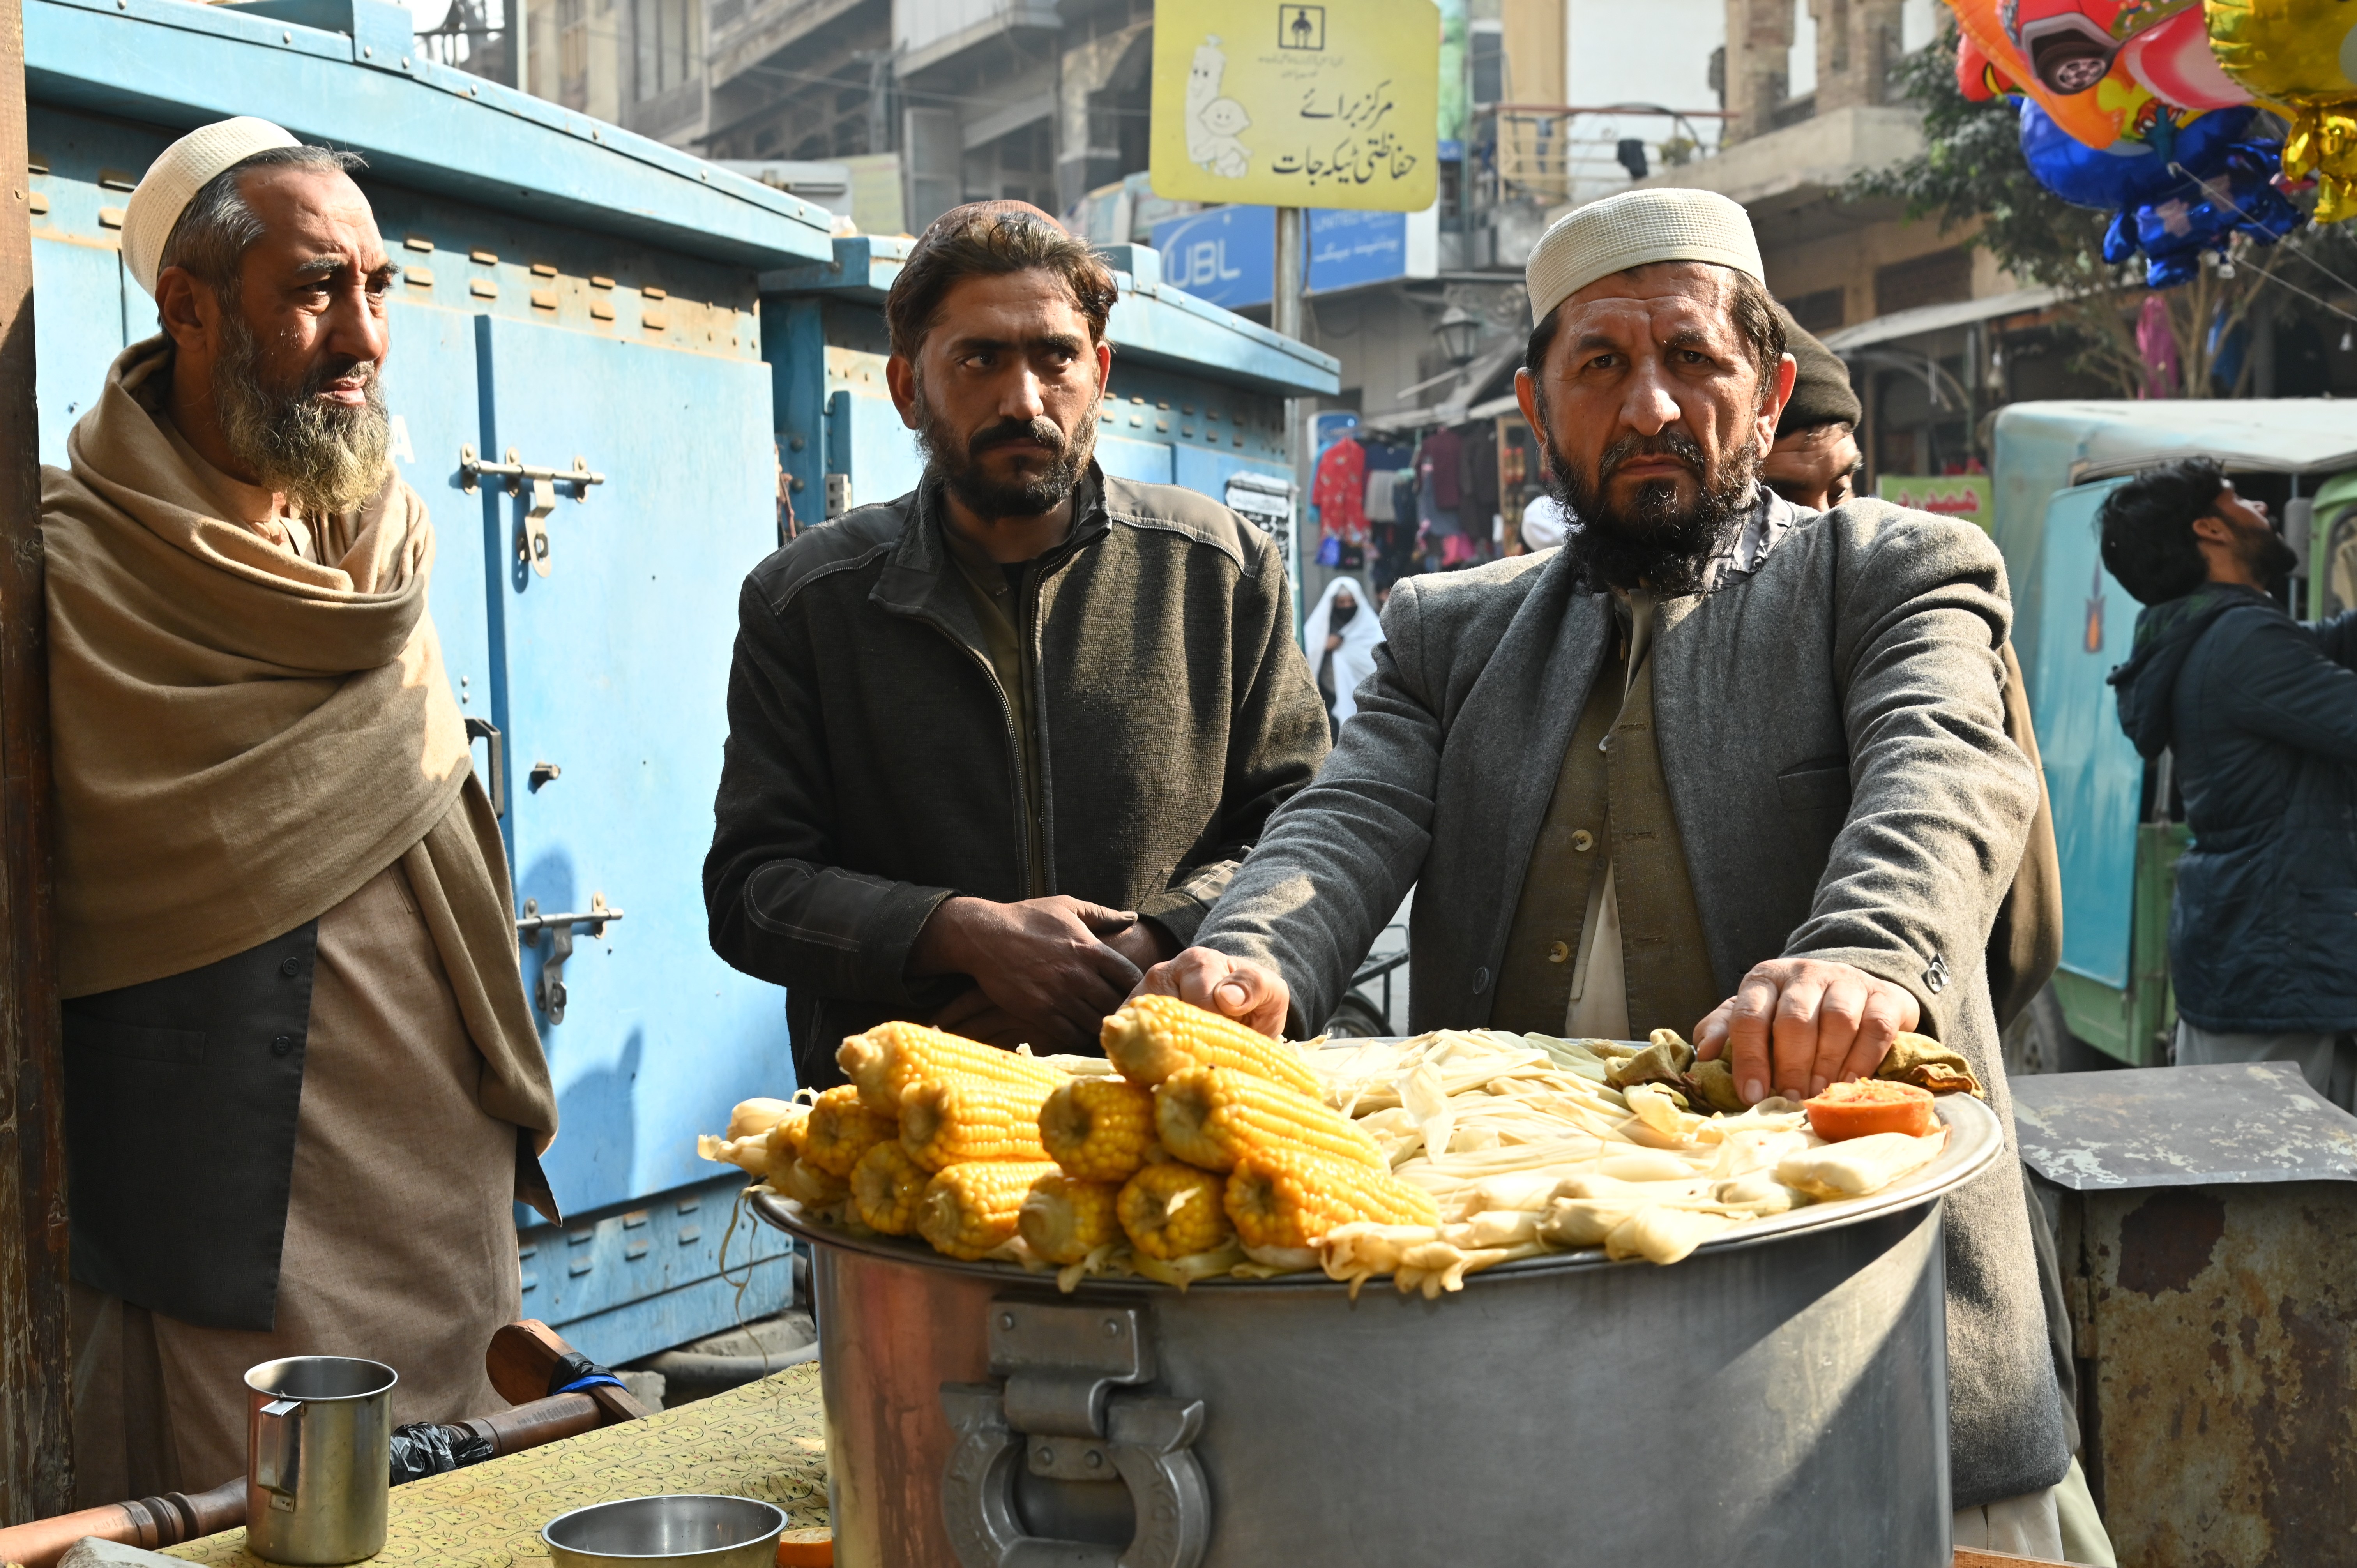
(1060, 1410)
(548, 990)
(532, 529)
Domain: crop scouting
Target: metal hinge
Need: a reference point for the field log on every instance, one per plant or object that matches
(548, 990)
(532, 529)
(1059, 1413)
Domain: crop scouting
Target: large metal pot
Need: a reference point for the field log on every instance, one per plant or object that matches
(1778, 1397)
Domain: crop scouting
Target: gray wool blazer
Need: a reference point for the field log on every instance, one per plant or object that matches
(1832, 730)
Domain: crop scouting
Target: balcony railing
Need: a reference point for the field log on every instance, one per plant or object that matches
(1544, 155)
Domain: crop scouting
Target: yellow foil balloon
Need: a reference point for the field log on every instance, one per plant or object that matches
(2299, 58)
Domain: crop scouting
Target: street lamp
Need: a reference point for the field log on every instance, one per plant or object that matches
(1459, 331)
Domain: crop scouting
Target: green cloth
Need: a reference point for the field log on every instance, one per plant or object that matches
(1664, 951)
(1610, 809)
(1566, 875)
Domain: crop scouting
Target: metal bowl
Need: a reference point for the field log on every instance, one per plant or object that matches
(687, 1532)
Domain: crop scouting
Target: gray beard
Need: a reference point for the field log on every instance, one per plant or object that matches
(327, 458)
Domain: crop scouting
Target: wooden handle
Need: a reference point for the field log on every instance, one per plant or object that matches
(540, 1420)
(522, 1355)
(150, 1522)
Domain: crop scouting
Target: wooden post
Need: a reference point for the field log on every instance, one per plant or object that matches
(36, 1412)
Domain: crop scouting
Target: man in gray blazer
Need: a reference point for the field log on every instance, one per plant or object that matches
(1716, 764)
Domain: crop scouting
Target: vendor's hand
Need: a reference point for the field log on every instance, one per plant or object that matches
(1241, 989)
(1333, 641)
(1144, 943)
(974, 1015)
(1820, 1023)
(1041, 961)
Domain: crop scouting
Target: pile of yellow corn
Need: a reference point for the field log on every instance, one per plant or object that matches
(1211, 1145)
(1199, 1148)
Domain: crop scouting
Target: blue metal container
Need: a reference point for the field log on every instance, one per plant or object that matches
(576, 296)
(573, 294)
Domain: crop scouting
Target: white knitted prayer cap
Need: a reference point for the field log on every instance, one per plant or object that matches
(175, 177)
(1632, 228)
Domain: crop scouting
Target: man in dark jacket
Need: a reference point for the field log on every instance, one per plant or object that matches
(2259, 712)
(996, 746)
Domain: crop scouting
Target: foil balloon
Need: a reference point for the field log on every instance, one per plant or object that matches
(2089, 114)
(2071, 58)
(2171, 59)
(1977, 76)
(2195, 191)
(2299, 58)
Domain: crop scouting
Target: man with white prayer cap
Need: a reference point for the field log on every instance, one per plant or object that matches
(1715, 765)
(302, 1084)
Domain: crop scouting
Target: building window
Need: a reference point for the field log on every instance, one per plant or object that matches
(671, 37)
(1936, 279)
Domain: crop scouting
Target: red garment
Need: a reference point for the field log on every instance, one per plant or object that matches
(1442, 467)
(1340, 492)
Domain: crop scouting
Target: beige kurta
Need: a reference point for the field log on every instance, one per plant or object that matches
(400, 1235)
(399, 1242)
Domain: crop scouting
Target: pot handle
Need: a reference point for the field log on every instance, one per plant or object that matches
(278, 1449)
(1149, 1443)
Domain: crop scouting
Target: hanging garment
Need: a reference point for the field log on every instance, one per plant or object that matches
(1339, 492)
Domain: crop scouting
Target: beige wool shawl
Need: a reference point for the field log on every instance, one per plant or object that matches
(242, 739)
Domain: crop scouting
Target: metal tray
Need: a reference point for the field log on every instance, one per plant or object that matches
(1974, 1140)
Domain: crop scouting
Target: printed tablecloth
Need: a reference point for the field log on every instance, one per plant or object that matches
(764, 1440)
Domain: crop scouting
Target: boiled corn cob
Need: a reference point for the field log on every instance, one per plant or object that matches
(948, 1121)
(1280, 1197)
(1211, 1116)
(790, 1137)
(886, 1187)
(753, 1116)
(808, 1186)
(1169, 1210)
(1151, 1037)
(1098, 1129)
(1065, 1220)
(970, 1209)
(887, 1060)
(841, 1130)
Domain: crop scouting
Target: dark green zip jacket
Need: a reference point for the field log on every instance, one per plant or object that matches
(871, 771)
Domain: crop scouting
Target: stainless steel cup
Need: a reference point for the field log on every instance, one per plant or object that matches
(318, 1466)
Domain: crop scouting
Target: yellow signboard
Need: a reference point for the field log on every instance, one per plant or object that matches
(1283, 103)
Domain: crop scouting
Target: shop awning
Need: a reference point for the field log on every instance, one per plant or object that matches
(1938, 317)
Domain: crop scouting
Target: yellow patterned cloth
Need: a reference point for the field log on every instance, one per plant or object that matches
(765, 1440)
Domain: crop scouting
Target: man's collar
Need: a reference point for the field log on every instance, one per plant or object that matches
(1765, 523)
(924, 545)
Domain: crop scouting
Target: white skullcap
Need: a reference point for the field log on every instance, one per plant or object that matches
(174, 177)
(1632, 229)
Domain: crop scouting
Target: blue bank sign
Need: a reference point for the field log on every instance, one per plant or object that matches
(1228, 255)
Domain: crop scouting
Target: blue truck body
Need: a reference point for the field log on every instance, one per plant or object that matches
(577, 295)
(2054, 462)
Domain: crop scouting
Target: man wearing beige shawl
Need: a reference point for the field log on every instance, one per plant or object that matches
(303, 1082)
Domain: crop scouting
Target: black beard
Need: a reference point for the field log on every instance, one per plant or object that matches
(326, 457)
(958, 464)
(1655, 543)
(2270, 559)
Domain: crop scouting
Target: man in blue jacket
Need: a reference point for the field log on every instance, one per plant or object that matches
(2260, 711)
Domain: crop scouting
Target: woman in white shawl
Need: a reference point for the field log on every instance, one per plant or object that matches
(1339, 636)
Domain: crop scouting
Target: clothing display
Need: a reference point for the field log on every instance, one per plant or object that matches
(1339, 492)
(1441, 466)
